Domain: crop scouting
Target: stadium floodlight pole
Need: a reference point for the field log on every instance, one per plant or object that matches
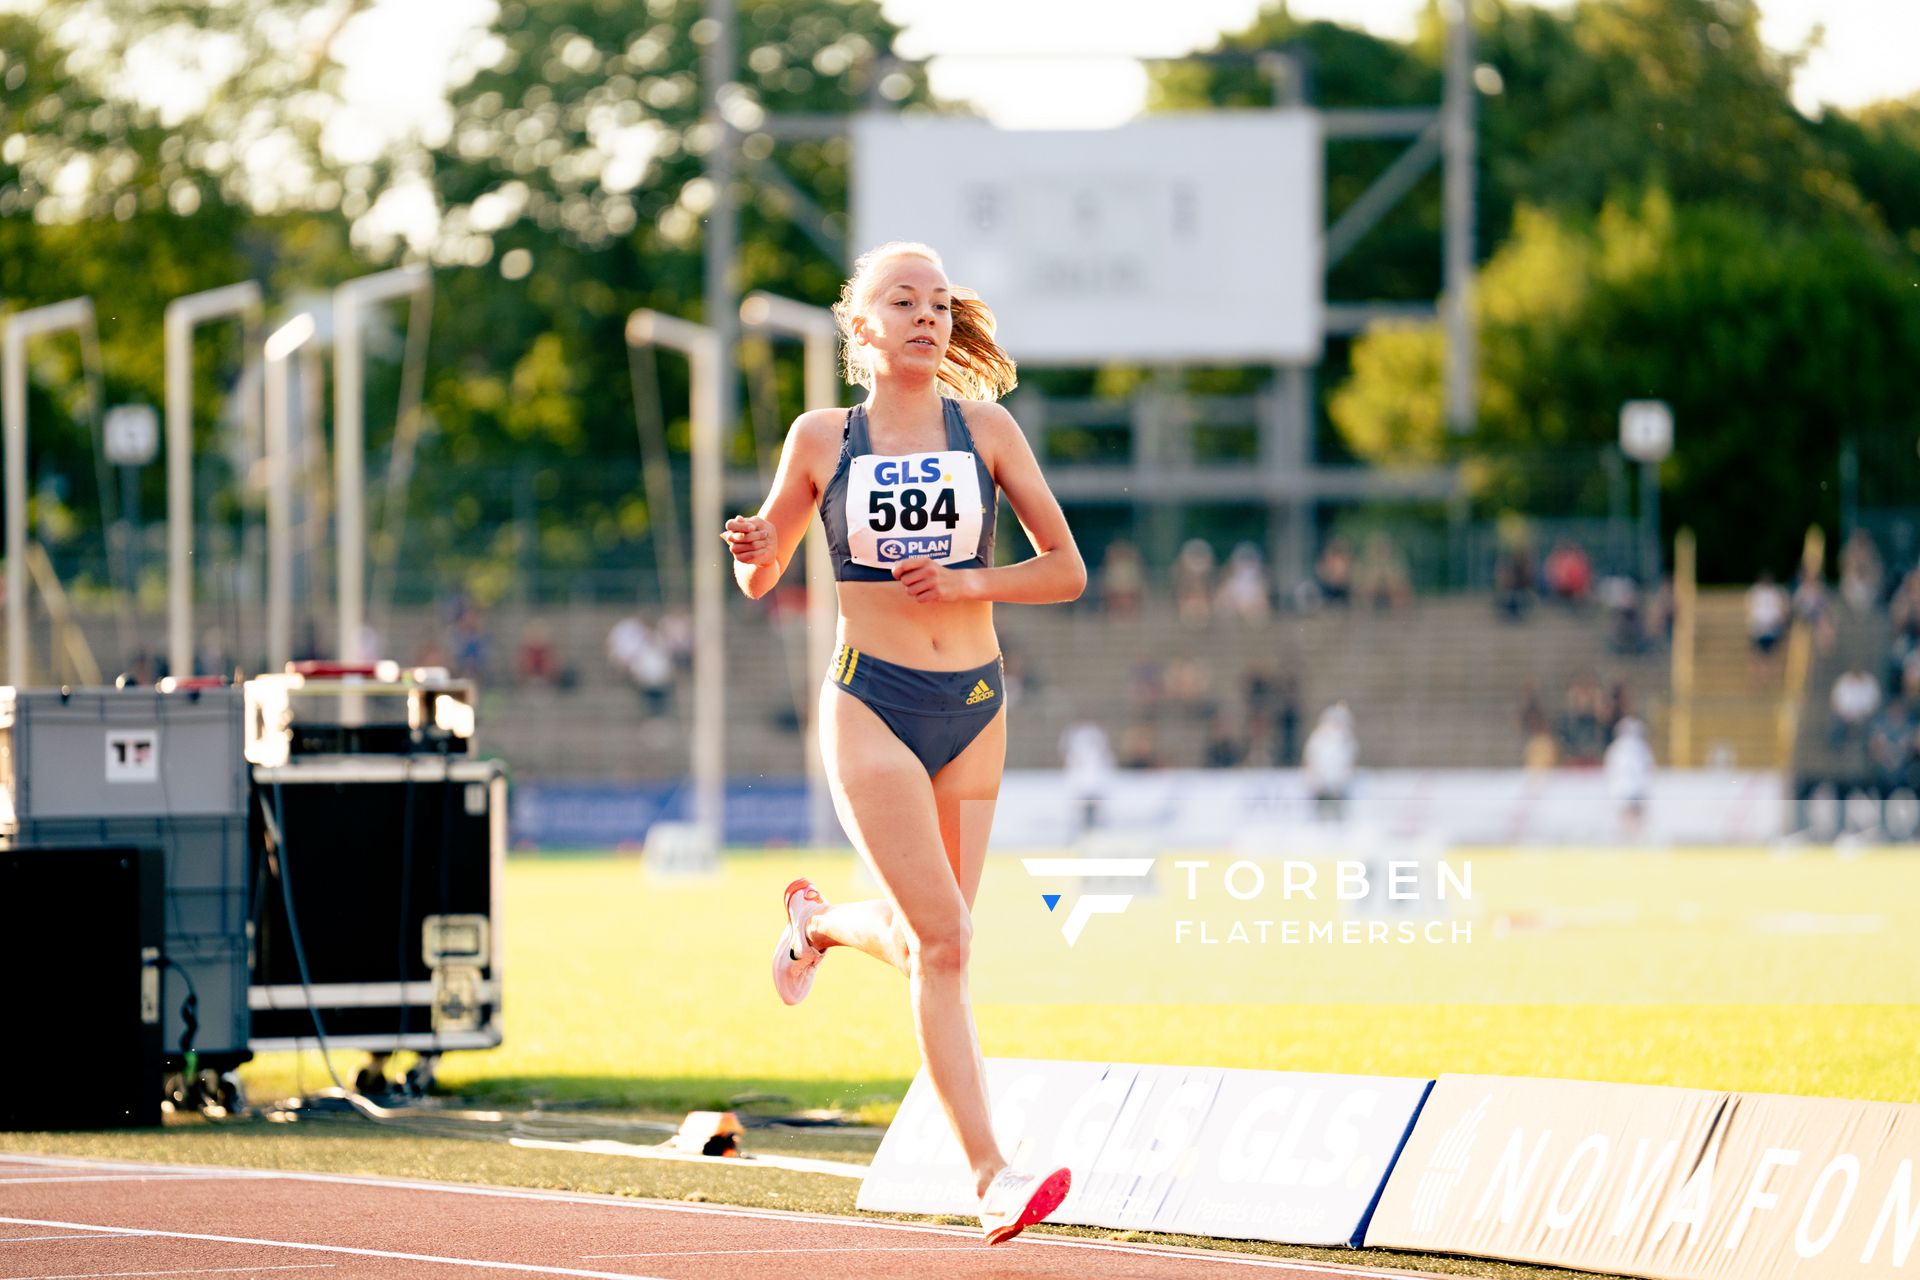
(819, 334)
(280, 347)
(701, 345)
(183, 316)
(74, 313)
(350, 437)
(1457, 136)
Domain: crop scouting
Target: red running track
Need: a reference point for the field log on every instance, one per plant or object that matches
(63, 1219)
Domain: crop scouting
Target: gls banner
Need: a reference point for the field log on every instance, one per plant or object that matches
(1675, 1184)
(1257, 1155)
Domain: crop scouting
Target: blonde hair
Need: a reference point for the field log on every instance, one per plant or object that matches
(975, 367)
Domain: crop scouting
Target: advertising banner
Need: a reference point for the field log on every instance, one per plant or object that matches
(1255, 1155)
(1674, 1184)
(1251, 808)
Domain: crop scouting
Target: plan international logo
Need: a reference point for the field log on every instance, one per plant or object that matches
(1087, 905)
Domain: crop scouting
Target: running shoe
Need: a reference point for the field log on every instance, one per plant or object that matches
(796, 960)
(1015, 1201)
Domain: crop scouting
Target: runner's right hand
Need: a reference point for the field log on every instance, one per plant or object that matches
(751, 540)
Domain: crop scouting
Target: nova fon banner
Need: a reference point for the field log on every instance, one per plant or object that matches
(1676, 1184)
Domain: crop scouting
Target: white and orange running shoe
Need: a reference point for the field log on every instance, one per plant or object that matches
(1015, 1201)
(796, 960)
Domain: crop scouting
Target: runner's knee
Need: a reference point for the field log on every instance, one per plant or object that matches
(941, 948)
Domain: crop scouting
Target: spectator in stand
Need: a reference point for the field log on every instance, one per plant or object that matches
(675, 634)
(1854, 699)
(1513, 581)
(1891, 745)
(472, 645)
(1333, 573)
(1810, 606)
(1904, 608)
(1193, 582)
(1287, 723)
(638, 655)
(1189, 687)
(1767, 613)
(1620, 597)
(1331, 753)
(1904, 651)
(1537, 750)
(1272, 702)
(1140, 748)
(1861, 573)
(1615, 706)
(1148, 684)
(1583, 734)
(1659, 621)
(535, 661)
(1123, 580)
(1243, 590)
(1380, 578)
(1569, 574)
(1088, 756)
(1629, 769)
(1226, 744)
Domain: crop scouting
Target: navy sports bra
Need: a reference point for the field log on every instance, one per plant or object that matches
(879, 509)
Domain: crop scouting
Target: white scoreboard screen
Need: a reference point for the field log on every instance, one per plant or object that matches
(1178, 238)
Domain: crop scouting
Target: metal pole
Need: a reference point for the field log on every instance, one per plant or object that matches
(1457, 115)
(701, 345)
(183, 316)
(1649, 525)
(820, 334)
(350, 439)
(279, 350)
(722, 217)
(71, 314)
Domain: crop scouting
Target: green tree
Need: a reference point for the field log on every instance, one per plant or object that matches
(1771, 345)
(572, 188)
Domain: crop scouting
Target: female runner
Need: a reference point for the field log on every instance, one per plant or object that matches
(910, 719)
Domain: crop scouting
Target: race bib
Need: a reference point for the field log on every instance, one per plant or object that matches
(922, 504)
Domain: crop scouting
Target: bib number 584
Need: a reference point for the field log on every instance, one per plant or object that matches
(913, 512)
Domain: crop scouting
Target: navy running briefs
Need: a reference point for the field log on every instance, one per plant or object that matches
(937, 714)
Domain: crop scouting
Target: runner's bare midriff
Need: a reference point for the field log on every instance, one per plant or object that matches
(880, 618)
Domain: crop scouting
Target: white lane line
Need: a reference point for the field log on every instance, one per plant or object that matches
(77, 1162)
(158, 1175)
(198, 1271)
(792, 1218)
(481, 1263)
(97, 1235)
(1217, 1257)
(735, 1253)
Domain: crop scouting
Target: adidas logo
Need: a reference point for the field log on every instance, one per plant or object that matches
(981, 692)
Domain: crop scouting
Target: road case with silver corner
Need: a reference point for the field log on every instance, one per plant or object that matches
(149, 768)
(379, 923)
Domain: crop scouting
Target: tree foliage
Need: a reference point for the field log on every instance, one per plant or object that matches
(1655, 218)
(1658, 220)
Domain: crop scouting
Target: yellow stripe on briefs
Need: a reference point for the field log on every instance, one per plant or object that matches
(853, 660)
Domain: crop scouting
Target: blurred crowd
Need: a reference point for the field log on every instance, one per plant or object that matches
(1577, 733)
(1242, 588)
(1637, 618)
(647, 651)
(1875, 701)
